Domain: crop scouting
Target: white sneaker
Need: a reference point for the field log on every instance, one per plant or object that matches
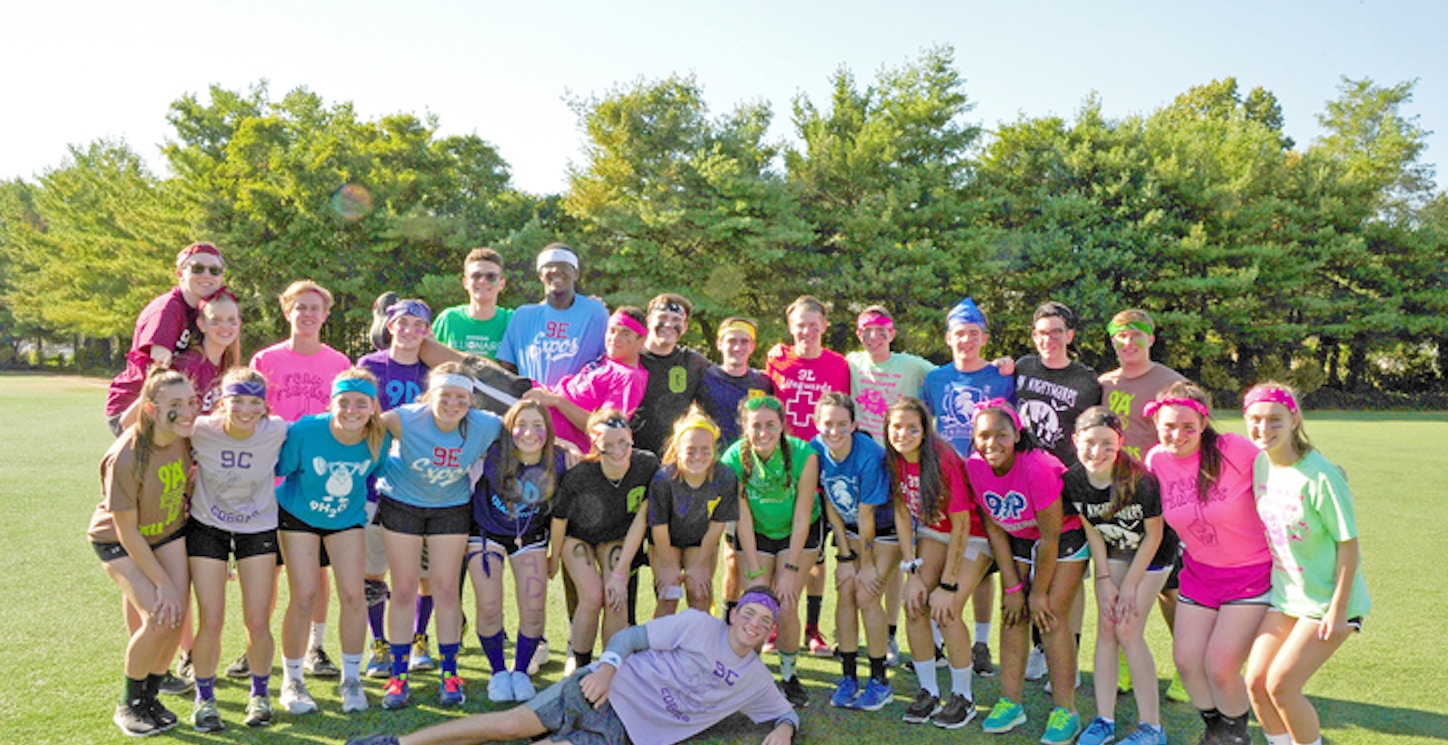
(540, 658)
(1036, 664)
(500, 687)
(1078, 681)
(353, 697)
(892, 653)
(295, 698)
(522, 687)
(570, 665)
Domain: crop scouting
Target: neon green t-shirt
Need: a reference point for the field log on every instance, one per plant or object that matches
(771, 498)
(455, 328)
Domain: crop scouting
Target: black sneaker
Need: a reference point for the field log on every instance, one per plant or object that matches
(239, 669)
(162, 716)
(956, 713)
(921, 708)
(980, 660)
(134, 719)
(174, 686)
(320, 665)
(794, 691)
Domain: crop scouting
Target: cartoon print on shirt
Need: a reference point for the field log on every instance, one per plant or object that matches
(339, 484)
(1184, 491)
(872, 400)
(840, 491)
(956, 406)
(1041, 418)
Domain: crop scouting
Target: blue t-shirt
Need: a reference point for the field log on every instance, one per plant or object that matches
(429, 468)
(518, 508)
(722, 394)
(397, 383)
(861, 478)
(325, 482)
(547, 344)
(951, 396)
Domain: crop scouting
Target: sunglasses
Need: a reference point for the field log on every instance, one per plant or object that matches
(489, 277)
(212, 269)
(754, 404)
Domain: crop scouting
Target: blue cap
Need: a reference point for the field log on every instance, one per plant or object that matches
(965, 312)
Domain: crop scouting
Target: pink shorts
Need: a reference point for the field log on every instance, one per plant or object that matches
(1213, 587)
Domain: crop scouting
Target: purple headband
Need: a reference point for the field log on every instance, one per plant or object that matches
(1001, 405)
(243, 388)
(619, 318)
(1191, 403)
(762, 599)
(1270, 394)
(409, 307)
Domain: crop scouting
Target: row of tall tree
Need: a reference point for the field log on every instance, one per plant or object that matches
(1327, 263)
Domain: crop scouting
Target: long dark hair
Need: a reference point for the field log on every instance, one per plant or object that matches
(510, 467)
(1126, 471)
(746, 448)
(932, 483)
(1209, 469)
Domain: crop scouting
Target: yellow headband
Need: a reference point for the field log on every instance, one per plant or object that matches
(696, 422)
(744, 326)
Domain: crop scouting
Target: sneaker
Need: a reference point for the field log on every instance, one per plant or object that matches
(500, 687)
(892, 653)
(1145, 734)
(318, 664)
(920, 710)
(395, 694)
(1005, 716)
(874, 696)
(205, 717)
(769, 644)
(450, 691)
(956, 713)
(173, 685)
(379, 664)
(1099, 732)
(421, 658)
(980, 660)
(295, 698)
(353, 697)
(258, 712)
(1036, 664)
(540, 658)
(1176, 691)
(816, 644)
(1062, 727)
(1123, 676)
(522, 687)
(135, 720)
(239, 669)
(845, 692)
(184, 669)
(794, 691)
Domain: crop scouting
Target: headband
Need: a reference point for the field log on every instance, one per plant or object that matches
(965, 311)
(1152, 407)
(873, 318)
(244, 388)
(738, 324)
(1113, 328)
(762, 599)
(670, 306)
(224, 293)
(196, 248)
(1270, 394)
(353, 385)
(620, 318)
(409, 307)
(696, 422)
(997, 404)
(613, 422)
(450, 379)
(1107, 419)
(753, 403)
(557, 256)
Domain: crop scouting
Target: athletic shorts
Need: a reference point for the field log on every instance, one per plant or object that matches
(410, 520)
(207, 542)
(814, 537)
(569, 717)
(1071, 547)
(1212, 587)
(882, 535)
(922, 531)
(110, 551)
(536, 539)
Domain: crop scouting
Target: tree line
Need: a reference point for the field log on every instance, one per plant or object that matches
(1323, 263)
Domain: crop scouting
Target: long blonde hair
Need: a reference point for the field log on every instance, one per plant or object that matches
(694, 418)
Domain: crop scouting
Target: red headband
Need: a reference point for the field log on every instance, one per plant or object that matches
(1270, 394)
(196, 248)
(1151, 408)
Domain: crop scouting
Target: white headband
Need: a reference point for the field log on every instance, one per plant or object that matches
(557, 256)
(452, 379)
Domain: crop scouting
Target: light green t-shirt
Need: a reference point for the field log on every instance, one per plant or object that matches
(1307, 510)
(874, 387)
(455, 328)
(771, 498)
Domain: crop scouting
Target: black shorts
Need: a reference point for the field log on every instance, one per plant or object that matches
(207, 542)
(410, 520)
(1072, 543)
(535, 538)
(110, 551)
(569, 717)
(814, 537)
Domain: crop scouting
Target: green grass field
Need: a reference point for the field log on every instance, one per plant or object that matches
(60, 653)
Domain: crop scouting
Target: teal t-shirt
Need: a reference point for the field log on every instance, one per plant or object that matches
(771, 498)
(455, 328)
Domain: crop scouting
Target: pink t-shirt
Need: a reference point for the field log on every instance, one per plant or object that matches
(167, 321)
(800, 383)
(603, 382)
(298, 385)
(1225, 531)
(1012, 501)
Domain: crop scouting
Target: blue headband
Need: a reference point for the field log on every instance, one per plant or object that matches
(409, 308)
(965, 312)
(353, 385)
(243, 388)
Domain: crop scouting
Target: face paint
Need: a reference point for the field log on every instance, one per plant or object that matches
(171, 417)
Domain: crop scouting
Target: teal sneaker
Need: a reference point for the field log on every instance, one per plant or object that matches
(1099, 732)
(1062, 727)
(1005, 716)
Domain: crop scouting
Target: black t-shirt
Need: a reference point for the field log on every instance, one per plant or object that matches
(688, 511)
(1124, 530)
(597, 510)
(1050, 400)
(722, 394)
(675, 382)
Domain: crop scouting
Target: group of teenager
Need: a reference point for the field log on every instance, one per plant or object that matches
(561, 438)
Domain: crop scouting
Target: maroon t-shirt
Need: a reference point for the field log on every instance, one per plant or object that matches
(166, 321)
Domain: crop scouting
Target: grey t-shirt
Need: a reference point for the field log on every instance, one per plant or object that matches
(236, 479)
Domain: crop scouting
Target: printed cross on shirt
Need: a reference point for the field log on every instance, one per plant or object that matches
(801, 407)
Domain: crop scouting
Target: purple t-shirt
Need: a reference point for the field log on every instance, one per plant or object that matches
(166, 321)
(397, 383)
(689, 680)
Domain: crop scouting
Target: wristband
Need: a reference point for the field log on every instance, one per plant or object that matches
(909, 567)
(756, 574)
(851, 557)
(611, 658)
(1016, 589)
(791, 567)
(949, 587)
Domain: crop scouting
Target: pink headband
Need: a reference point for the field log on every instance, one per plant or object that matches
(1154, 406)
(1270, 394)
(873, 318)
(627, 321)
(1001, 405)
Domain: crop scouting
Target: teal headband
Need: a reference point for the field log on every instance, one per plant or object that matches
(353, 385)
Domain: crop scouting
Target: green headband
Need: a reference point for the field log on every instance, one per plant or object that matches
(1113, 328)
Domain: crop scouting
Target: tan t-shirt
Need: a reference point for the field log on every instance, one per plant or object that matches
(1127, 397)
(160, 496)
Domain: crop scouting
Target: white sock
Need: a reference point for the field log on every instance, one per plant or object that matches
(351, 666)
(291, 669)
(925, 673)
(960, 678)
(1318, 741)
(319, 633)
(982, 632)
(1283, 739)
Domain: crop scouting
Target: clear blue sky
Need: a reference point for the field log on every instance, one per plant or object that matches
(77, 71)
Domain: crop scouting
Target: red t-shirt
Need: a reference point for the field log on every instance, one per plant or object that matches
(800, 383)
(957, 492)
(166, 321)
